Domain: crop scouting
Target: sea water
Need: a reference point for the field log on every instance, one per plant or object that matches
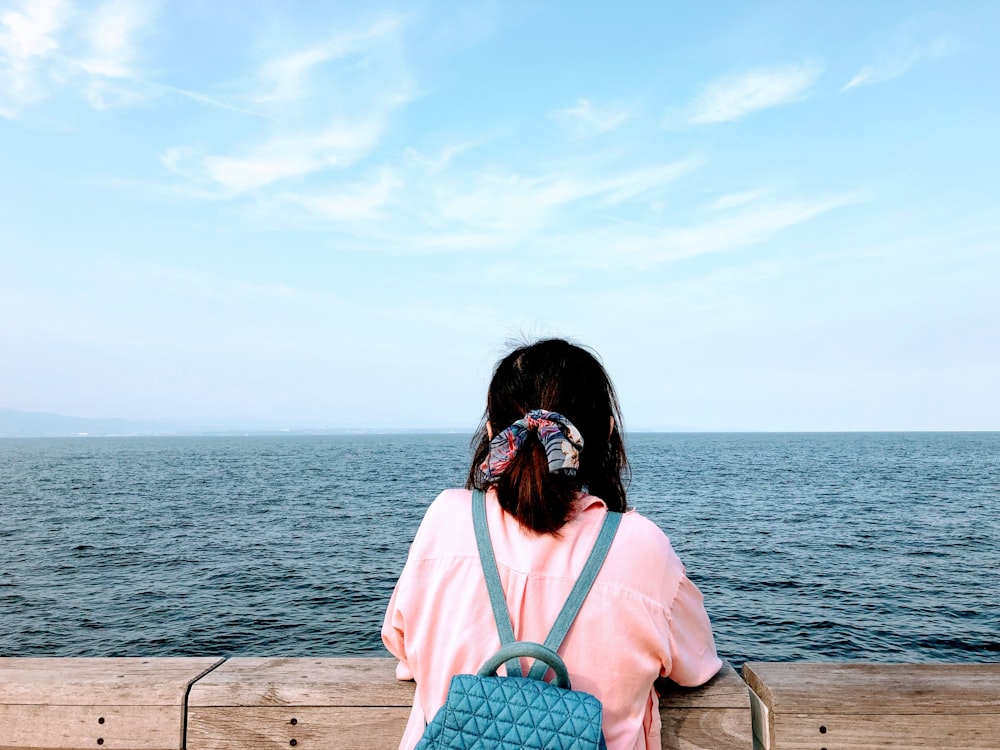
(879, 547)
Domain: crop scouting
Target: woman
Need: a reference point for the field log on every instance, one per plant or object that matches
(550, 457)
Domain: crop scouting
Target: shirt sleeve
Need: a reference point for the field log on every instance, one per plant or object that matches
(394, 624)
(694, 660)
(392, 634)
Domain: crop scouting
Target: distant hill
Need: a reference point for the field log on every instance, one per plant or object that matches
(15, 423)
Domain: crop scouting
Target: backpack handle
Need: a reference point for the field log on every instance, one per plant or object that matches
(531, 650)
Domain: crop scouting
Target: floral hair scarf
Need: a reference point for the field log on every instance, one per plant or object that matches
(560, 439)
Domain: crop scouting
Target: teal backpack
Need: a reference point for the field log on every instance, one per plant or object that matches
(487, 712)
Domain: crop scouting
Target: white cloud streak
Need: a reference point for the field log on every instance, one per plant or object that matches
(750, 227)
(293, 156)
(48, 46)
(577, 216)
(358, 202)
(111, 32)
(739, 94)
(408, 210)
(732, 200)
(442, 160)
(894, 61)
(587, 119)
(643, 246)
(28, 36)
(29, 31)
(517, 205)
(328, 132)
(286, 77)
(201, 98)
(279, 157)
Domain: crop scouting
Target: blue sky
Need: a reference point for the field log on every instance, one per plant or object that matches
(768, 216)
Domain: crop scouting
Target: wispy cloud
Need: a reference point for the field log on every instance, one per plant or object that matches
(211, 101)
(293, 156)
(28, 37)
(29, 31)
(328, 131)
(644, 246)
(516, 205)
(47, 46)
(436, 163)
(587, 119)
(53, 47)
(732, 200)
(896, 58)
(357, 202)
(285, 77)
(408, 210)
(572, 242)
(750, 227)
(737, 95)
(111, 32)
(279, 157)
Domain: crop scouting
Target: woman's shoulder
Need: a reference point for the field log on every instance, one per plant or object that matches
(636, 534)
(642, 557)
(643, 535)
(449, 501)
(445, 519)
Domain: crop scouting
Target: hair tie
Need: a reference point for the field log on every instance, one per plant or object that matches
(560, 439)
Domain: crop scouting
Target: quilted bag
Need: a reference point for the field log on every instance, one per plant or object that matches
(485, 711)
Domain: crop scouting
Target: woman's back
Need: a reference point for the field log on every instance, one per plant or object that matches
(641, 619)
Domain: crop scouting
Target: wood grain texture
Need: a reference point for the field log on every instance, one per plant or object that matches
(705, 729)
(896, 731)
(858, 706)
(268, 702)
(95, 703)
(715, 715)
(80, 727)
(272, 728)
(252, 681)
(760, 720)
(725, 690)
(92, 681)
(856, 688)
(340, 695)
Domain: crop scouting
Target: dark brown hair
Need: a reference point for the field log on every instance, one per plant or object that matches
(559, 376)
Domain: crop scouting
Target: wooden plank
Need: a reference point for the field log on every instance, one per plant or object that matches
(896, 731)
(251, 702)
(705, 729)
(858, 688)
(279, 681)
(340, 695)
(79, 727)
(301, 727)
(725, 690)
(95, 681)
(857, 706)
(760, 720)
(714, 716)
(88, 703)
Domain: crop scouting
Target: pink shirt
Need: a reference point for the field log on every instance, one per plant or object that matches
(641, 620)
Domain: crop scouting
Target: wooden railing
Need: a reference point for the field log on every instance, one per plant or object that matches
(357, 704)
(257, 703)
(862, 706)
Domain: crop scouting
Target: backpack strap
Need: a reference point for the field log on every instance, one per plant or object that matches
(579, 591)
(497, 599)
(573, 602)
